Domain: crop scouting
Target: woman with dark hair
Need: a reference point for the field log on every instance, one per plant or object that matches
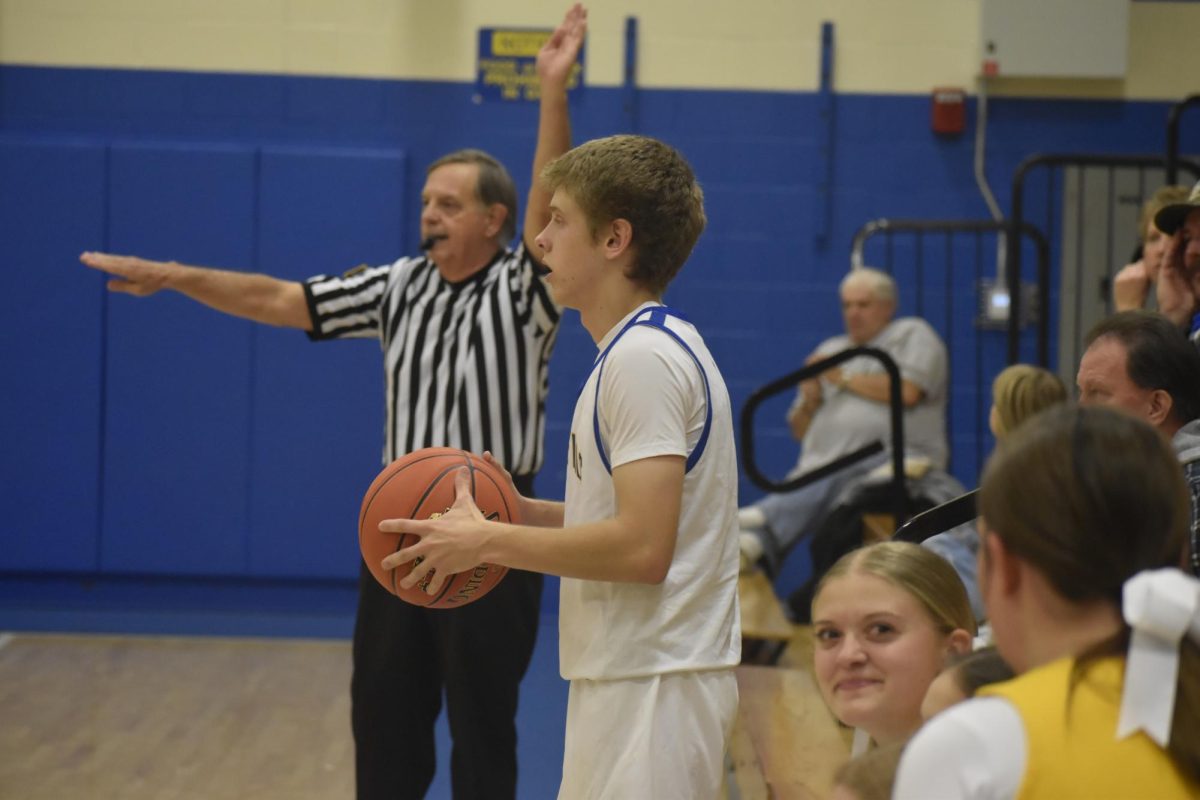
(1083, 512)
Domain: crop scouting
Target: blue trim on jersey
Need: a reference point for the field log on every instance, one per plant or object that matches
(657, 319)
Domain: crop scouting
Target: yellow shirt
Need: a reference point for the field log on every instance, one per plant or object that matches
(1072, 746)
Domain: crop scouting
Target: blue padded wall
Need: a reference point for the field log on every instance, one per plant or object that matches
(51, 355)
(178, 392)
(318, 407)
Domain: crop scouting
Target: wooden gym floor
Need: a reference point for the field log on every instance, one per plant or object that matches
(177, 718)
(167, 718)
(211, 718)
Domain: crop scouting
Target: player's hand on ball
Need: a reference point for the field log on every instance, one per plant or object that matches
(450, 543)
(522, 501)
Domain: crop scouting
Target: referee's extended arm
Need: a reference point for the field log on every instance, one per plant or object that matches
(249, 295)
(274, 301)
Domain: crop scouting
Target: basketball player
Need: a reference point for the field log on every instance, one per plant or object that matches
(646, 540)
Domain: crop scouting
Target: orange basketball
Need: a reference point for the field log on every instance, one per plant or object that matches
(418, 486)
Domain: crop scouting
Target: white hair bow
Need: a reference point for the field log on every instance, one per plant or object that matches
(1161, 606)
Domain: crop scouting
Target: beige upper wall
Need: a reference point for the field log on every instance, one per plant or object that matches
(887, 46)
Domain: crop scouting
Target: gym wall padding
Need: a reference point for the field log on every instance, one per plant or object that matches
(318, 407)
(177, 390)
(52, 206)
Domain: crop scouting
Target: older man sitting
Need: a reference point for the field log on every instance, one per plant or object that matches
(846, 408)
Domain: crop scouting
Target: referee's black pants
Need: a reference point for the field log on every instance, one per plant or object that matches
(405, 655)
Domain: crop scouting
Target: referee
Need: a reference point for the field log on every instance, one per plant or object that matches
(466, 329)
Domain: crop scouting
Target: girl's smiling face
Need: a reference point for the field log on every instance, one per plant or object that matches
(876, 651)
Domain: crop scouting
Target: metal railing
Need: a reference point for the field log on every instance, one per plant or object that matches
(1079, 187)
(938, 519)
(922, 229)
(901, 503)
(1172, 165)
(945, 256)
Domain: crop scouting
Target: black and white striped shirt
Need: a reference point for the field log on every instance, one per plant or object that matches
(465, 363)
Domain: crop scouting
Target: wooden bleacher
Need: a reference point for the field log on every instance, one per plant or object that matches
(786, 745)
(765, 628)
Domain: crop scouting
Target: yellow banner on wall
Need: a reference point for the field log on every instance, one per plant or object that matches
(506, 68)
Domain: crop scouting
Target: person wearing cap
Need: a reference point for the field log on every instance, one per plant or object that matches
(1134, 285)
(1178, 287)
(1083, 516)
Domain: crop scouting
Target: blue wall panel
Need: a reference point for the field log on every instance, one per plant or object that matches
(51, 355)
(318, 407)
(178, 392)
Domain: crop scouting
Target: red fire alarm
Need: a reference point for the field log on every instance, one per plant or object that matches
(949, 111)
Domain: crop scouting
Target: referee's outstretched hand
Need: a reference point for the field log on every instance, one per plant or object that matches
(130, 274)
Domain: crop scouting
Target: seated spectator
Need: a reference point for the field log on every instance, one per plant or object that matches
(1084, 513)
(963, 677)
(1139, 362)
(846, 408)
(1136, 283)
(885, 618)
(1018, 392)
(1178, 286)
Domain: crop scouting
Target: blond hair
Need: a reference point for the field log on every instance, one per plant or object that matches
(1022, 390)
(922, 573)
(644, 182)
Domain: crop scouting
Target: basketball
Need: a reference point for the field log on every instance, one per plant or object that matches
(420, 485)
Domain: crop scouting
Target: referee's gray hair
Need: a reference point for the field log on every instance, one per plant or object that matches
(494, 185)
(882, 285)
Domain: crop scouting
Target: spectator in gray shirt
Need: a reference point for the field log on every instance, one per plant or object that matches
(846, 408)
